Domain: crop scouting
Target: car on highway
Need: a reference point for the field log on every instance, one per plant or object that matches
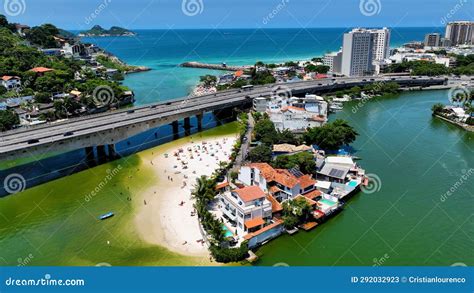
(69, 133)
(32, 141)
(130, 111)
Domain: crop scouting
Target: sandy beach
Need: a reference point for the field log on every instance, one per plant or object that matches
(166, 216)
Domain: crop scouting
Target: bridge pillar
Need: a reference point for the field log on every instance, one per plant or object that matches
(187, 126)
(90, 155)
(102, 156)
(199, 121)
(175, 126)
(112, 152)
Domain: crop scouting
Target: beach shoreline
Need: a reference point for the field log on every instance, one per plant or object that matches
(165, 214)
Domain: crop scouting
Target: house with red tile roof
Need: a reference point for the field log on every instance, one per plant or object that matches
(41, 70)
(11, 82)
(282, 184)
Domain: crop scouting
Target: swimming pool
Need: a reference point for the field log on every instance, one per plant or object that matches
(228, 233)
(353, 183)
(327, 202)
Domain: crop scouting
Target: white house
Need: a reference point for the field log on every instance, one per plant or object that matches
(247, 208)
(11, 82)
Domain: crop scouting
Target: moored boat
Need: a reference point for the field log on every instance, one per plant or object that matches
(106, 216)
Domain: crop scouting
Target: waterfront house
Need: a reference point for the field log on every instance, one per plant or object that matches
(344, 175)
(247, 208)
(11, 82)
(280, 183)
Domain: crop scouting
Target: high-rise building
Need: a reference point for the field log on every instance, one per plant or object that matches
(460, 32)
(432, 40)
(362, 48)
(333, 61)
(381, 46)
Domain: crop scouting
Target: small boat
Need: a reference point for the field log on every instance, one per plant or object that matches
(106, 216)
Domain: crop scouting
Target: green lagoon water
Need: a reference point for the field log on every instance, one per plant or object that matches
(418, 159)
(57, 223)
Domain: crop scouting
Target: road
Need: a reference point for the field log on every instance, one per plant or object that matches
(86, 126)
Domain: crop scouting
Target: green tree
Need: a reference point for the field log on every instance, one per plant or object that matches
(332, 135)
(437, 108)
(303, 161)
(8, 119)
(261, 154)
(295, 212)
(264, 131)
(208, 80)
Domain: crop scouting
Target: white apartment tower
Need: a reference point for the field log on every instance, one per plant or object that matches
(381, 39)
(460, 32)
(362, 48)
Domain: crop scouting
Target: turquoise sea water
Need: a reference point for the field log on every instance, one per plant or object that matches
(164, 50)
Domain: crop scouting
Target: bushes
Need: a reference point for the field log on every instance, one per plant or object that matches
(226, 255)
(332, 135)
(8, 119)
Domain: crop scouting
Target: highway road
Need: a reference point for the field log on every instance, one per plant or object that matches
(79, 127)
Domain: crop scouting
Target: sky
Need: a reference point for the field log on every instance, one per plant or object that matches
(166, 14)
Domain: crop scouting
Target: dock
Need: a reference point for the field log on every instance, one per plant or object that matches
(309, 226)
(222, 66)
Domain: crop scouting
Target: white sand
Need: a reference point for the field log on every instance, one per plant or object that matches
(163, 220)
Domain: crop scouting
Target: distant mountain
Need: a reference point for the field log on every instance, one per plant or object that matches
(98, 31)
(65, 34)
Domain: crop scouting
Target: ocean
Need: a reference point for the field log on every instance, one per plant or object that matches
(164, 50)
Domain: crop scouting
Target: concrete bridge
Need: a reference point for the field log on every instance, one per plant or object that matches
(104, 130)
